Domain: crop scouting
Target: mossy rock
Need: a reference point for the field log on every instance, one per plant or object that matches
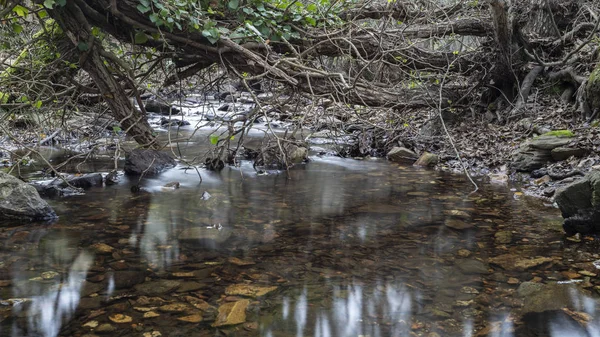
(593, 88)
(560, 133)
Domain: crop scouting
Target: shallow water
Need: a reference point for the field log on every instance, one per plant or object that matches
(341, 247)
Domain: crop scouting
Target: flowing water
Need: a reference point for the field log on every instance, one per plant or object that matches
(336, 247)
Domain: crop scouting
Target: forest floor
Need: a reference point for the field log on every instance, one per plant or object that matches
(487, 147)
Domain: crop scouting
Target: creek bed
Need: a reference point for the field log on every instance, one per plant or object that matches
(337, 247)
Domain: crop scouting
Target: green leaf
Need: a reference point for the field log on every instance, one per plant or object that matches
(143, 9)
(82, 46)
(214, 139)
(95, 31)
(49, 3)
(21, 11)
(233, 4)
(42, 14)
(62, 3)
(17, 28)
(116, 129)
(141, 38)
(38, 104)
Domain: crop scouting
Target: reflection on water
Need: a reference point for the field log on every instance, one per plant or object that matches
(340, 248)
(55, 304)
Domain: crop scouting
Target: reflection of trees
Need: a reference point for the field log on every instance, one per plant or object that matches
(53, 305)
(354, 310)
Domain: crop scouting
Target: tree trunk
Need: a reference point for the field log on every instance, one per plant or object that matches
(502, 76)
(78, 31)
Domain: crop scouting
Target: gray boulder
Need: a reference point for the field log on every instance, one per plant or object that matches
(564, 153)
(147, 162)
(579, 203)
(402, 155)
(536, 152)
(21, 201)
(160, 108)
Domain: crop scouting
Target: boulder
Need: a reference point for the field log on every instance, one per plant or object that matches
(160, 108)
(296, 154)
(69, 185)
(166, 122)
(147, 162)
(536, 152)
(427, 160)
(563, 153)
(21, 201)
(540, 297)
(402, 155)
(579, 203)
(84, 181)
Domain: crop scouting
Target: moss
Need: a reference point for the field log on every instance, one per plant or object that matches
(560, 133)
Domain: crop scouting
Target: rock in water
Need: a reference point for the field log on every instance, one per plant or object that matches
(401, 155)
(21, 201)
(579, 203)
(160, 108)
(147, 162)
(427, 160)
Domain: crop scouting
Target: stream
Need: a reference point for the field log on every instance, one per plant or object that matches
(335, 247)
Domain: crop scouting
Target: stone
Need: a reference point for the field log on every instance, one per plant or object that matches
(157, 287)
(427, 160)
(147, 162)
(296, 154)
(120, 318)
(21, 201)
(101, 248)
(105, 328)
(459, 224)
(535, 153)
(579, 203)
(498, 178)
(248, 290)
(472, 266)
(174, 307)
(210, 234)
(196, 318)
(232, 313)
(84, 181)
(160, 108)
(563, 153)
(503, 237)
(464, 253)
(540, 297)
(518, 263)
(167, 122)
(402, 155)
(543, 180)
(127, 278)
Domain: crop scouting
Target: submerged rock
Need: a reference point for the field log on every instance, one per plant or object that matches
(21, 201)
(232, 313)
(147, 162)
(540, 297)
(213, 234)
(579, 203)
(248, 290)
(515, 262)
